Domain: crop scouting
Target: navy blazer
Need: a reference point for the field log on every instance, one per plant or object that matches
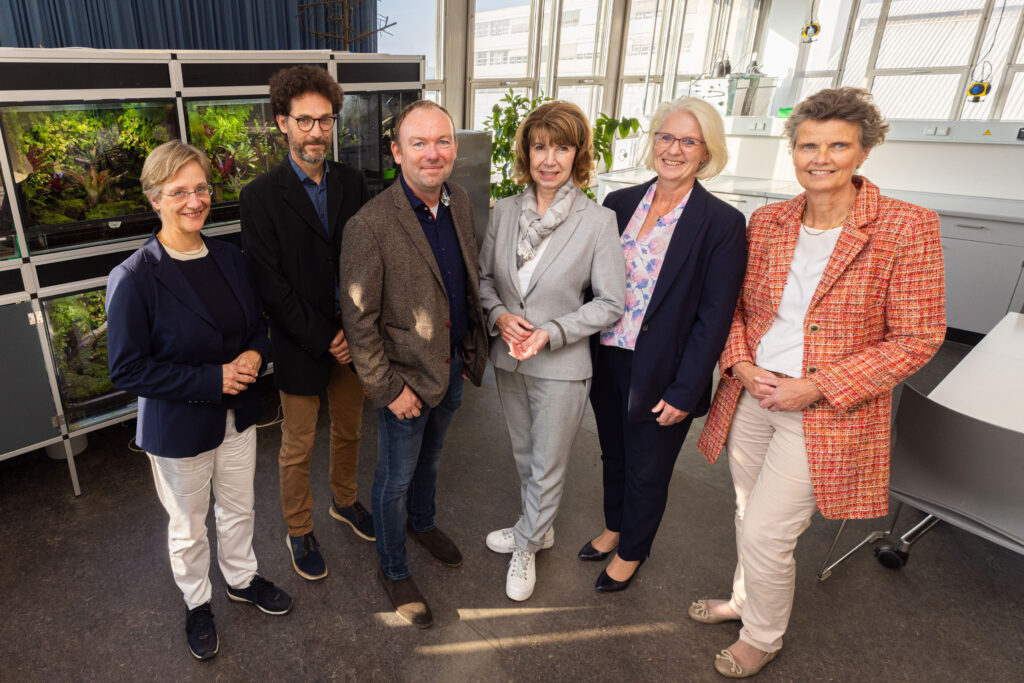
(164, 346)
(688, 318)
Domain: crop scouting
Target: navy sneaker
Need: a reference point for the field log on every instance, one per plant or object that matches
(200, 632)
(265, 595)
(357, 517)
(306, 557)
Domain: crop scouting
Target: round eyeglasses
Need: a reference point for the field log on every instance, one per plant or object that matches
(305, 123)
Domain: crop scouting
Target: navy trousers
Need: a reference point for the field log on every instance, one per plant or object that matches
(638, 457)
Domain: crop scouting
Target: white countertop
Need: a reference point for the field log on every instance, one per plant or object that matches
(775, 190)
(988, 384)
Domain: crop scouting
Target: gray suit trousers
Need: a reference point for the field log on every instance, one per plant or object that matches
(543, 416)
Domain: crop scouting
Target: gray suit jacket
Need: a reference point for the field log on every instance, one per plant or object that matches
(393, 303)
(578, 287)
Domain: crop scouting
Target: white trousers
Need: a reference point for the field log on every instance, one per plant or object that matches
(183, 486)
(774, 505)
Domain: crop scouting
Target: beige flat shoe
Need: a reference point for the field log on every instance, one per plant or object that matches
(700, 611)
(730, 668)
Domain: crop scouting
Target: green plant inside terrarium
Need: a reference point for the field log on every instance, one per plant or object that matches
(241, 139)
(78, 339)
(78, 163)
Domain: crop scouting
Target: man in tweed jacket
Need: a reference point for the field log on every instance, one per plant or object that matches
(410, 302)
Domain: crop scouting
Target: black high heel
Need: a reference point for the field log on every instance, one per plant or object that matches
(589, 553)
(606, 584)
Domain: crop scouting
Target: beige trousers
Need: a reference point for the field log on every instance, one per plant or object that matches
(345, 406)
(774, 505)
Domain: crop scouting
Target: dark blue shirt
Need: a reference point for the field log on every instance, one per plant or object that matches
(317, 193)
(440, 233)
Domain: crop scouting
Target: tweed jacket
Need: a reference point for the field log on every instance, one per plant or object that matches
(393, 302)
(581, 254)
(877, 316)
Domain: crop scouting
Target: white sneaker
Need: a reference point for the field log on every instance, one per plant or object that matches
(522, 575)
(504, 541)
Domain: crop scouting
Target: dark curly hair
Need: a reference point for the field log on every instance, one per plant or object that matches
(295, 81)
(853, 105)
(557, 123)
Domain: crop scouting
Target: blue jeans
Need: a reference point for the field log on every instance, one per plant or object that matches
(408, 457)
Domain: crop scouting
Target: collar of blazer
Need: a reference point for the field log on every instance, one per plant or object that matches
(856, 232)
(411, 225)
(693, 225)
(294, 195)
(556, 241)
(170, 276)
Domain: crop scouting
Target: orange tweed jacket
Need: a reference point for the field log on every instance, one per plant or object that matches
(877, 316)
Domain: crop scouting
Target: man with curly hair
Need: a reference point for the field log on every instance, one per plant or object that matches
(292, 220)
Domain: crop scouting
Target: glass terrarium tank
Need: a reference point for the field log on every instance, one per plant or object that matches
(76, 168)
(8, 239)
(242, 140)
(77, 325)
(366, 131)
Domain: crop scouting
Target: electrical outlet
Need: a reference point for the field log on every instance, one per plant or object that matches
(1020, 133)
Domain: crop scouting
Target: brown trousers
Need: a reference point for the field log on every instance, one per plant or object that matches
(345, 406)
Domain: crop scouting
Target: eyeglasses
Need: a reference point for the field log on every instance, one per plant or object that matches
(305, 123)
(201, 193)
(666, 140)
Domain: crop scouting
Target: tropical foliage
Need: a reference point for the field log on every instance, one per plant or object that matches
(78, 339)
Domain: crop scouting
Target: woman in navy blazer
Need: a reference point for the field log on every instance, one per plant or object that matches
(186, 334)
(685, 257)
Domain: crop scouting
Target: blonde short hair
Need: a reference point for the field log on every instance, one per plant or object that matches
(558, 123)
(712, 128)
(164, 162)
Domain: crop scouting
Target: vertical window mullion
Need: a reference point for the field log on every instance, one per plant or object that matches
(869, 70)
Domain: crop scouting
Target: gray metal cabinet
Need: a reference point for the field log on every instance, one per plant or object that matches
(984, 261)
(27, 410)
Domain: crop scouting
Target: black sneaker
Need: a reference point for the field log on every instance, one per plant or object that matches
(200, 632)
(357, 517)
(265, 595)
(306, 557)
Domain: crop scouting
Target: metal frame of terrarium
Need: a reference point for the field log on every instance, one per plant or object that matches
(190, 76)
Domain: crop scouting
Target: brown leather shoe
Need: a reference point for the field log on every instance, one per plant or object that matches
(439, 545)
(408, 601)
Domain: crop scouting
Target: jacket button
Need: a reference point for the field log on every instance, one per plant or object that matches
(814, 327)
(644, 328)
(811, 369)
(813, 406)
(448, 361)
(521, 307)
(448, 324)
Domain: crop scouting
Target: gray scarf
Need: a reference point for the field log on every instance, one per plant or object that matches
(533, 227)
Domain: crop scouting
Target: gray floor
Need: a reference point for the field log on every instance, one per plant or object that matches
(87, 591)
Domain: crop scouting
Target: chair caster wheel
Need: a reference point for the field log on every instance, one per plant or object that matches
(890, 557)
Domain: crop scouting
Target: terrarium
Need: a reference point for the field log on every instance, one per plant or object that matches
(367, 130)
(8, 239)
(77, 325)
(76, 168)
(242, 140)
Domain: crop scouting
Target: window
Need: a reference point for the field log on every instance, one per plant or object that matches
(417, 31)
(696, 38)
(494, 18)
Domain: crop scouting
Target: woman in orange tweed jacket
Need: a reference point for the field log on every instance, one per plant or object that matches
(843, 298)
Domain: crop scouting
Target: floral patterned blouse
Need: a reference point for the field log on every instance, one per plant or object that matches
(644, 257)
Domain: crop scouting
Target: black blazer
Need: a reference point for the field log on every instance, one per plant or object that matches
(294, 265)
(690, 313)
(164, 347)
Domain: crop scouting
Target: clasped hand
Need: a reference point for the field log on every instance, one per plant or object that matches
(241, 372)
(524, 341)
(776, 393)
(339, 348)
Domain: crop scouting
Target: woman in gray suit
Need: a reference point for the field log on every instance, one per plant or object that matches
(551, 275)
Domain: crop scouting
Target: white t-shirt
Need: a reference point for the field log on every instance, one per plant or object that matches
(781, 349)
